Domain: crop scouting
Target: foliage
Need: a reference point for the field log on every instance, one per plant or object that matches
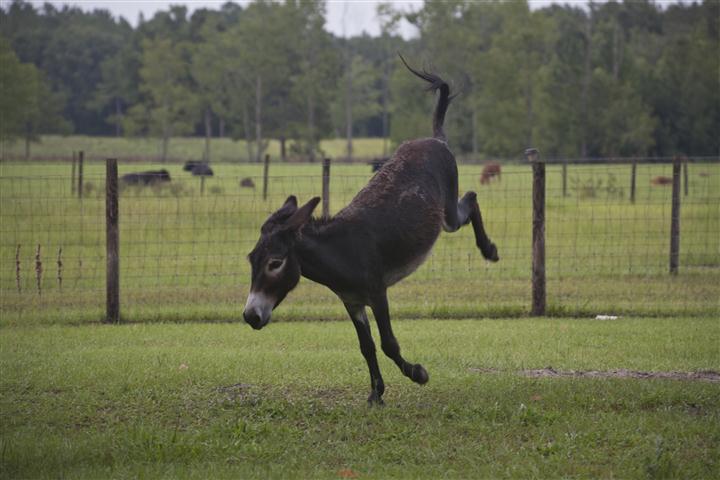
(28, 106)
(629, 78)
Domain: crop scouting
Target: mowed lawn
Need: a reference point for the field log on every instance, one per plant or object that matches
(222, 401)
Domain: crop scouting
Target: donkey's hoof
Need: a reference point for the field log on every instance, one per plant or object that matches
(492, 254)
(375, 399)
(419, 374)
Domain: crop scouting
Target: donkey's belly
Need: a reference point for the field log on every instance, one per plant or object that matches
(394, 275)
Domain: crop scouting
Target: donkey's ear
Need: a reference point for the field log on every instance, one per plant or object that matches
(281, 215)
(302, 215)
(290, 202)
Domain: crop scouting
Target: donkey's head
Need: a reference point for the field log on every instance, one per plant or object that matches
(275, 267)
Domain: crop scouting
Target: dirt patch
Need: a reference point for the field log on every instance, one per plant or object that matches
(237, 393)
(702, 375)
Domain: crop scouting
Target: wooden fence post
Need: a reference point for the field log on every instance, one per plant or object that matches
(564, 178)
(112, 242)
(326, 188)
(538, 233)
(72, 174)
(685, 161)
(81, 158)
(675, 218)
(633, 176)
(266, 168)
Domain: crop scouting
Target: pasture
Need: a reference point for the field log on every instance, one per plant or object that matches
(184, 389)
(223, 401)
(182, 254)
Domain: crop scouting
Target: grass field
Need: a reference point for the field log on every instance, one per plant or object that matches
(183, 254)
(188, 148)
(223, 401)
(184, 389)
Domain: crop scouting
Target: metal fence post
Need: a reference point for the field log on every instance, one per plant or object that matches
(633, 176)
(326, 188)
(72, 174)
(675, 218)
(112, 241)
(81, 158)
(538, 233)
(266, 168)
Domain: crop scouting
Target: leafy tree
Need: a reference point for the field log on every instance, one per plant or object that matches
(170, 105)
(27, 106)
(313, 78)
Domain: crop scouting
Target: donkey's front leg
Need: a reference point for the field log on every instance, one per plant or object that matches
(367, 347)
(390, 345)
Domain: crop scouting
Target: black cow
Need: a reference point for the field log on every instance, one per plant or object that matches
(151, 177)
(198, 168)
(377, 163)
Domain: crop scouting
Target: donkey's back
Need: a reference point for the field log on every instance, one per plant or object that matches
(402, 208)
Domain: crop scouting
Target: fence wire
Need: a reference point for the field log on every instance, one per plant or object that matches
(183, 243)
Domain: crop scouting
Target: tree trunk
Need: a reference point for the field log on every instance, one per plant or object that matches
(221, 128)
(584, 100)
(311, 126)
(474, 122)
(385, 102)
(618, 49)
(529, 112)
(248, 138)
(118, 118)
(348, 110)
(208, 134)
(165, 142)
(258, 119)
(27, 146)
(283, 150)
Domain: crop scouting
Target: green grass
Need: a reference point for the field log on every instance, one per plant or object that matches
(183, 254)
(222, 401)
(179, 148)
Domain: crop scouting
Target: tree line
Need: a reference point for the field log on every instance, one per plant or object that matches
(610, 79)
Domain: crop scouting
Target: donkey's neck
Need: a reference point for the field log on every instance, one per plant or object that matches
(327, 254)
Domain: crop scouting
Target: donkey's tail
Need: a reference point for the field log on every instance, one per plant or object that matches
(436, 83)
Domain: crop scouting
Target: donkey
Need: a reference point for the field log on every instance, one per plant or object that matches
(383, 235)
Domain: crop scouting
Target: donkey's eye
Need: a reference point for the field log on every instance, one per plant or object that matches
(275, 264)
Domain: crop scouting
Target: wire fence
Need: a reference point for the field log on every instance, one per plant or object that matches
(183, 242)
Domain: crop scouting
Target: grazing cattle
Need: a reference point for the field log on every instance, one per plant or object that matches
(660, 180)
(381, 237)
(247, 182)
(377, 163)
(151, 177)
(489, 171)
(198, 168)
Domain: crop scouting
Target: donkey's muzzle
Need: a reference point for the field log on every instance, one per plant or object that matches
(258, 310)
(254, 320)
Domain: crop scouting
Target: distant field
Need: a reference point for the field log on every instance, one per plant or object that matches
(183, 254)
(182, 148)
(223, 401)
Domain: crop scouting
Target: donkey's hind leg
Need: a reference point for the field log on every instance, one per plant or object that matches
(466, 211)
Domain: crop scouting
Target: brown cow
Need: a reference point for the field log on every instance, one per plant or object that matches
(660, 180)
(490, 170)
